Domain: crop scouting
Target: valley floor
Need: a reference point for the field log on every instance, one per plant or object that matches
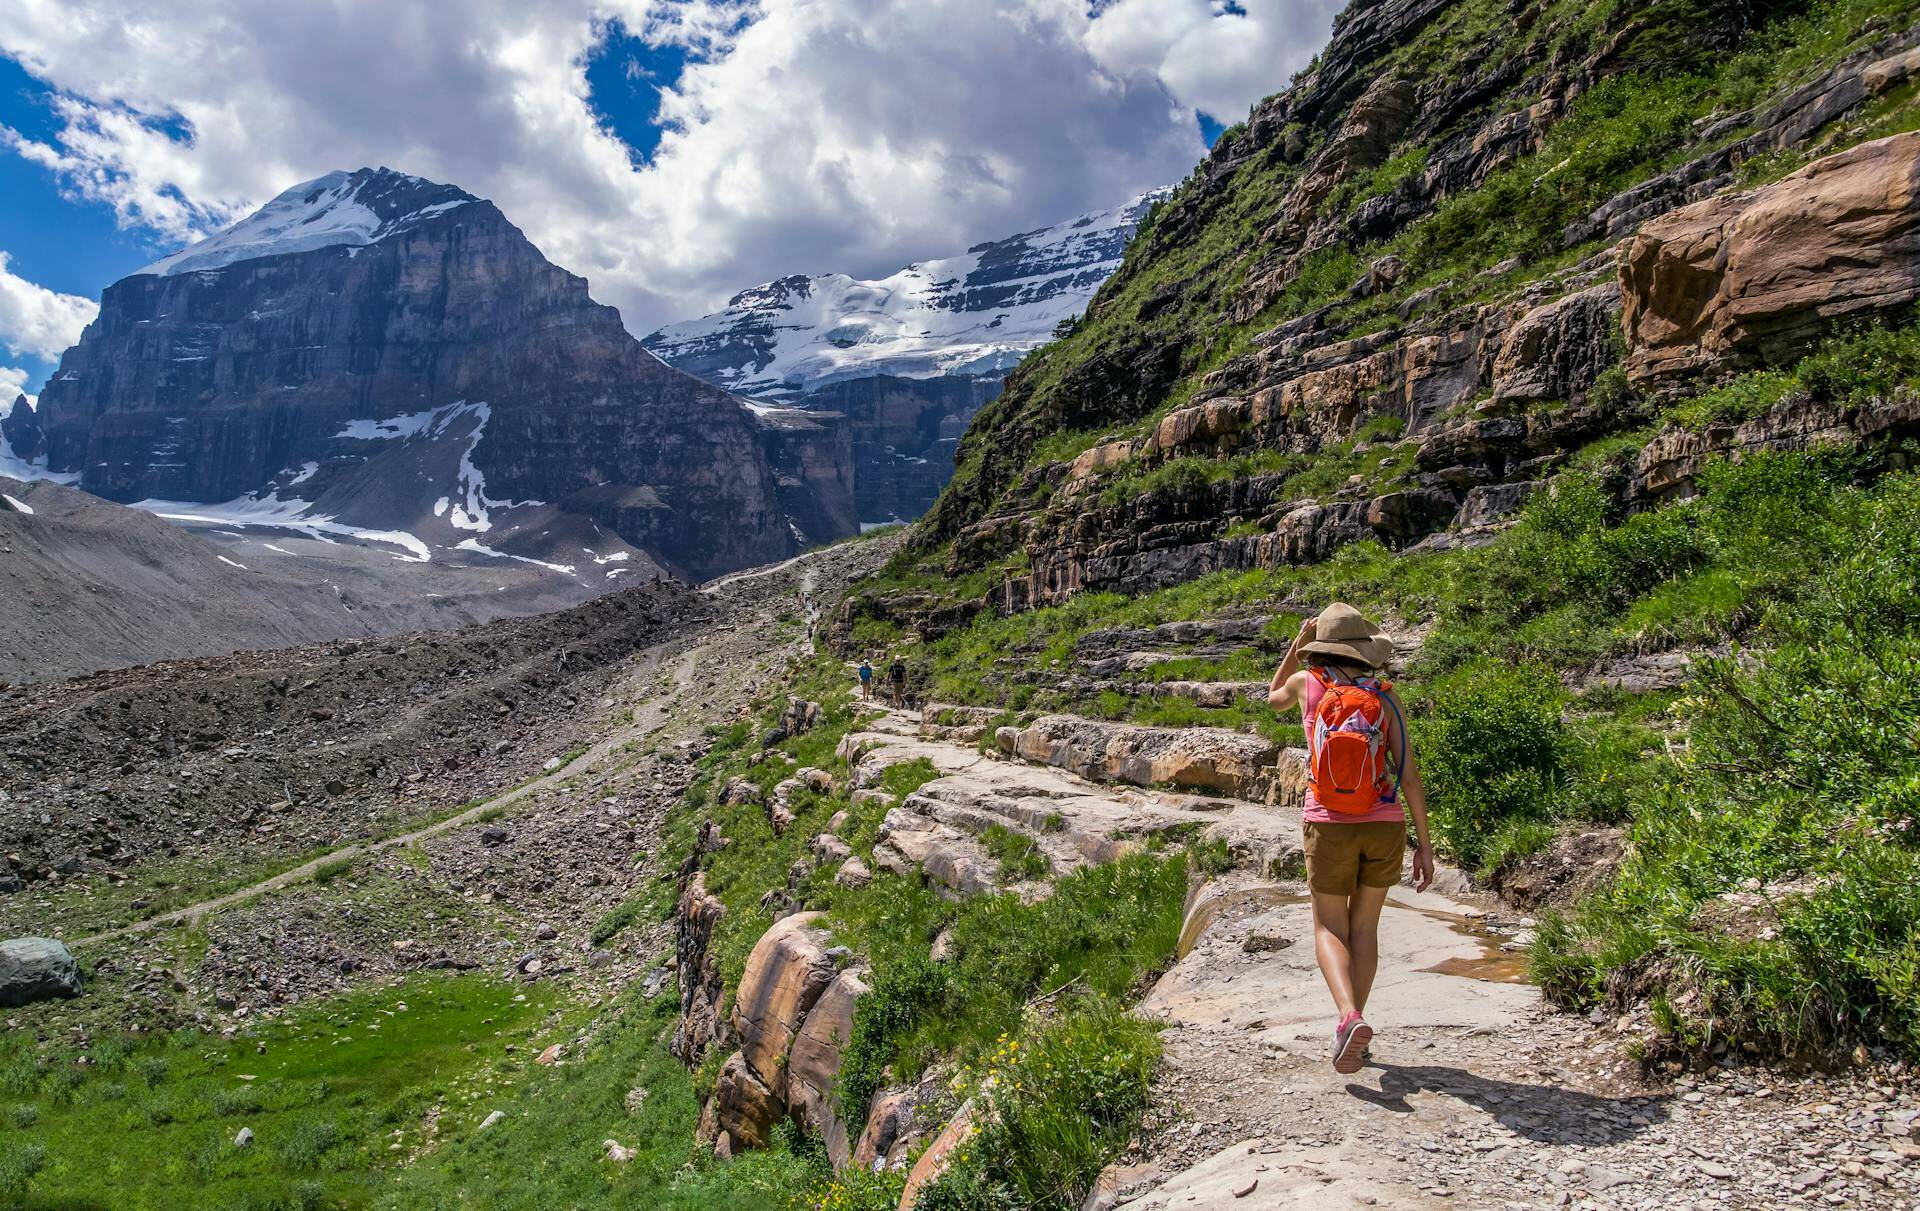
(553, 897)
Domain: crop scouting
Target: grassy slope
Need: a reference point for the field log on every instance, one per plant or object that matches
(1631, 127)
(134, 1122)
(1104, 932)
(1759, 560)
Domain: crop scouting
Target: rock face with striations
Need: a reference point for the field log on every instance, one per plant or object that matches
(1307, 348)
(393, 355)
(1733, 278)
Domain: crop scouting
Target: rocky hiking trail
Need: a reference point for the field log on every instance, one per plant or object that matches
(1476, 1092)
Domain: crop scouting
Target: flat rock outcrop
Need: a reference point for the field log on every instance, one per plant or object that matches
(815, 1062)
(786, 973)
(1735, 278)
(1202, 759)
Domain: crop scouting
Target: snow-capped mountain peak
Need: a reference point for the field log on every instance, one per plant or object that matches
(975, 314)
(350, 209)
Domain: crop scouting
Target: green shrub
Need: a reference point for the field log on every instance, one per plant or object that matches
(857, 1189)
(305, 1142)
(332, 869)
(19, 1161)
(1772, 894)
(1049, 1114)
(1493, 753)
(1020, 858)
(902, 992)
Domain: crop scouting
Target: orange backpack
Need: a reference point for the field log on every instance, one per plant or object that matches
(1347, 738)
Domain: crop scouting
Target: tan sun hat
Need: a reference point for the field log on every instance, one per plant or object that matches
(1344, 631)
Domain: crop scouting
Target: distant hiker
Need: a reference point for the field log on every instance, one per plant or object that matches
(866, 680)
(1359, 766)
(897, 675)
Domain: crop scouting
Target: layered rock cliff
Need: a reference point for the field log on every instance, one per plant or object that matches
(1459, 250)
(393, 356)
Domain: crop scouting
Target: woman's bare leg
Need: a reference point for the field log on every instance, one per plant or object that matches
(1331, 916)
(1363, 940)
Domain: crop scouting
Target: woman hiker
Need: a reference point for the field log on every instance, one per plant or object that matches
(1359, 768)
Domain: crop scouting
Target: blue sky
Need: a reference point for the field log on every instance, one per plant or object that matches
(798, 137)
(74, 247)
(625, 74)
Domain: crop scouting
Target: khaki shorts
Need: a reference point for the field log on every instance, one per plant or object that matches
(1339, 856)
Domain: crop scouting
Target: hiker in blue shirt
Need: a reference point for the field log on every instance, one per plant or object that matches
(866, 680)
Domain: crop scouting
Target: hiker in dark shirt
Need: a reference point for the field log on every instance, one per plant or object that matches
(897, 676)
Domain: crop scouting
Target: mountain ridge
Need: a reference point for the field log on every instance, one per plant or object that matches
(279, 368)
(794, 334)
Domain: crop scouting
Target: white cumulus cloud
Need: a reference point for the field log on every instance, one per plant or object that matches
(13, 384)
(804, 135)
(1219, 56)
(37, 322)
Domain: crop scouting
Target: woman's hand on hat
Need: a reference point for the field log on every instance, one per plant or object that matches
(1308, 629)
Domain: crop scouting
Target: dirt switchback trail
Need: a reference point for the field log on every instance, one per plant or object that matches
(1477, 1093)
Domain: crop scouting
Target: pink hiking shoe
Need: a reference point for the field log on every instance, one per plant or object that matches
(1350, 1041)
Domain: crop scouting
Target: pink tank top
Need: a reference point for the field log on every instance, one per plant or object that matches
(1387, 810)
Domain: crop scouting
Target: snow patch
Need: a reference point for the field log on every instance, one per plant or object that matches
(975, 314)
(473, 545)
(270, 511)
(230, 563)
(469, 507)
(22, 506)
(14, 467)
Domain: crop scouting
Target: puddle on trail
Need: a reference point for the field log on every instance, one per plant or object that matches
(1496, 965)
(1492, 963)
